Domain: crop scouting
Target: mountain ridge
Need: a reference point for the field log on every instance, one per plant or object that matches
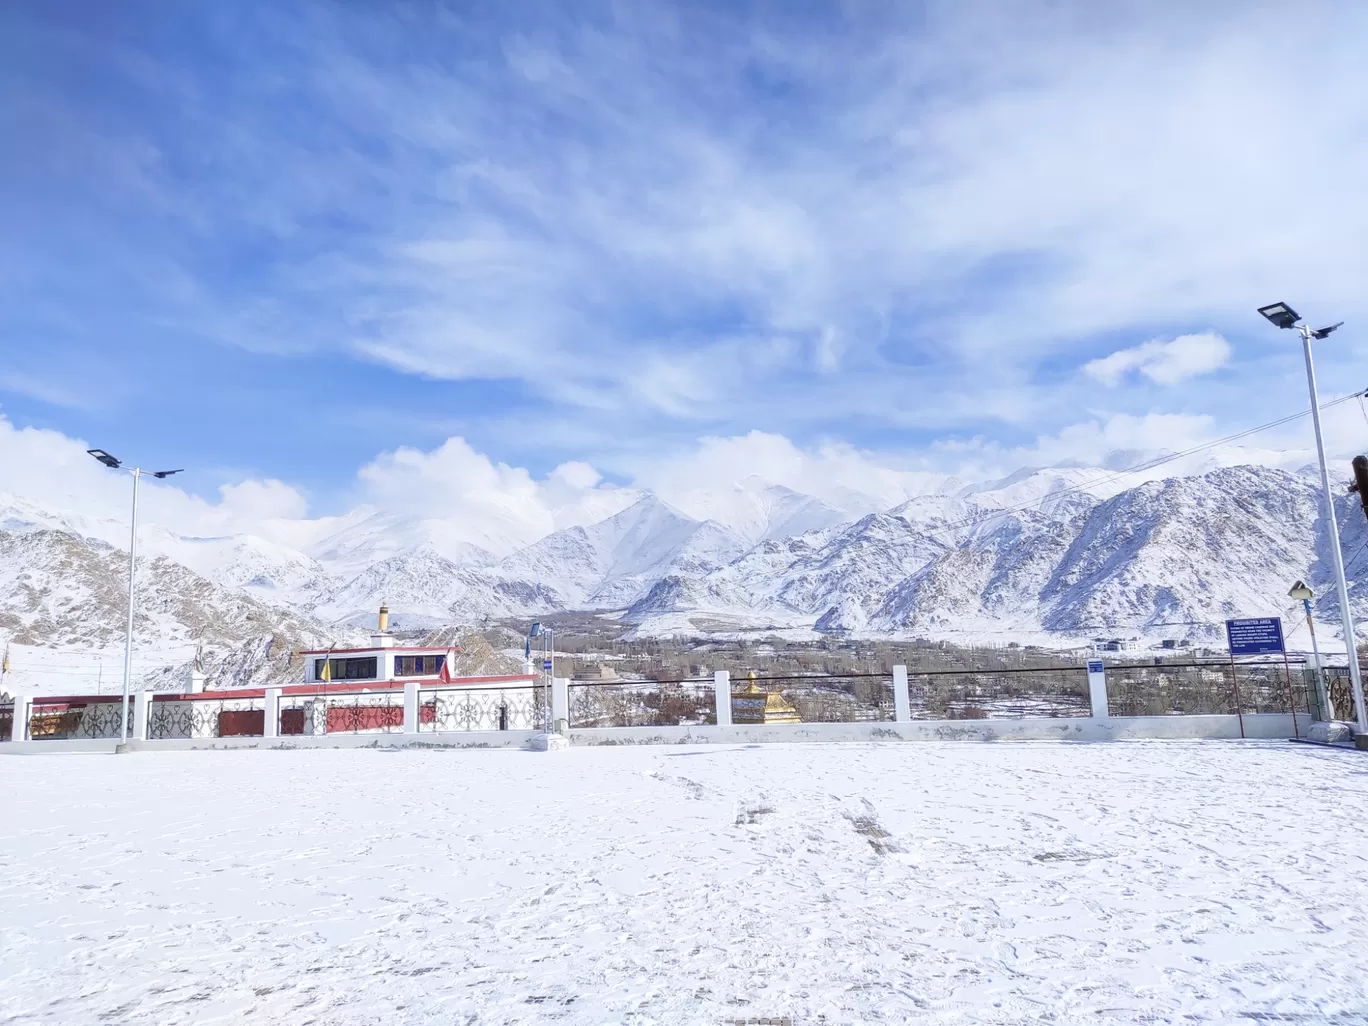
(1043, 553)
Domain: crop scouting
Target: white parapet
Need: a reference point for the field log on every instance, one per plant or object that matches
(902, 702)
(142, 704)
(19, 725)
(722, 696)
(270, 717)
(1097, 688)
(560, 705)
(411, 707)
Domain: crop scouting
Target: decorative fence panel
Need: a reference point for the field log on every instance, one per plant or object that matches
(6, 720)
(1196, 689)
(643, 704)
(87, 719)
(468, 709)
(1339, 690)
(362, 713)
(200, 717)
(296, 717)
(998, 694)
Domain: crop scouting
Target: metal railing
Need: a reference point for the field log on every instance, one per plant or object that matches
(1340, 692)
(469, 709)
(88, 719)
(1133, 690)
(998, 694)
(1196, 689)
(679, 703)
(169, 718)
(846, 698)
(362, 712)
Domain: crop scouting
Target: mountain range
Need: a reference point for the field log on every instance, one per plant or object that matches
(1055, 555)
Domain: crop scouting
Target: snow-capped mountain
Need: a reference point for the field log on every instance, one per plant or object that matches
(1046, 552)
(612, 563)
(63, 599)
(367, 536)
(756, 510)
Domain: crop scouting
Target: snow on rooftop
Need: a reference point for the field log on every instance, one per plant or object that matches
(1124, 882)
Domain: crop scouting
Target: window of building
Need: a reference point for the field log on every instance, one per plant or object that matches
(348, 669)
(418, 666)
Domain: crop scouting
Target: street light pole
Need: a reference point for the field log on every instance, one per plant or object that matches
(1283, 316)
(128, 637)
(1301, 591)
(549, 642)
(1336, 556)
(115, 464)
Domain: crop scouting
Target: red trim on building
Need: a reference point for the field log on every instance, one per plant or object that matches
(396, 648)
(320, 687)
(475, 680)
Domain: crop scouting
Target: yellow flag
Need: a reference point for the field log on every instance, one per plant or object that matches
(326, 675)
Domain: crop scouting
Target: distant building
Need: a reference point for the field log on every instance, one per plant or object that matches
(596, 671)
(381, 662)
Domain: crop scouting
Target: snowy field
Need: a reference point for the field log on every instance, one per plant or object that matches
(1155, 882)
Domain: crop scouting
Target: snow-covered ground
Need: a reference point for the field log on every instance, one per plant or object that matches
(1065, 883)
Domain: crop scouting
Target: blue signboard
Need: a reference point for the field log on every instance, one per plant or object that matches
(1260, 635)
(1095, 666)
(546, 664)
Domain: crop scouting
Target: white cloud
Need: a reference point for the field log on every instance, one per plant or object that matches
(499, 507)
(1093, 442)
(702, 480)
(55, 472)
(1166, 363)
(959, 196)
(815, 235)
(488, 504)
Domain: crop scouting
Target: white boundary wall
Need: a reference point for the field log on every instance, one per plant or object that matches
(1256, 726)
(1097, 727)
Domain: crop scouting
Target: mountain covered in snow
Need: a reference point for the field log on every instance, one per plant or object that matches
(1058, 553)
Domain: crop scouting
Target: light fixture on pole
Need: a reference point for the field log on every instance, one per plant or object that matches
(137, 472)
(1283, 316)
(548, 661)
(1304, 594)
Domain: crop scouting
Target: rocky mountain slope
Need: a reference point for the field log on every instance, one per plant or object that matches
(64, 596)
(1061, 553)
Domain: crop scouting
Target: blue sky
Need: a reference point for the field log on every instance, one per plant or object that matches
(271, 241)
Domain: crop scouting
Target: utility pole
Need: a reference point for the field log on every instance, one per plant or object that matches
(116, 464)
(128, 638)
(1283, 316)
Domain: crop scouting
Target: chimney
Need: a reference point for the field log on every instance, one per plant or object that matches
(195, 682)
(382, 638)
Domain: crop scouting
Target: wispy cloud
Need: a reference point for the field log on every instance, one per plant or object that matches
(67, 394)
(1166, 363)
(885, 225)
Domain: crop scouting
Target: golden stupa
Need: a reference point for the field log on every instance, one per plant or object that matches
(757, 705)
